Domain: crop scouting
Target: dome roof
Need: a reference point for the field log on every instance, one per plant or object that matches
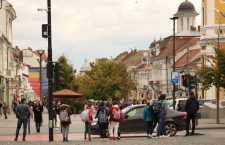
(186, 7)
(152, 45)
(85, 67)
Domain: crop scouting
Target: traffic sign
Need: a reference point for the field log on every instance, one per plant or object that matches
(174, 77)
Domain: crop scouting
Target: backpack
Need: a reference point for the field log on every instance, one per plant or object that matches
(63, 116)
(102, 117)
(84, 115)
(192, 106)
(116, 114)
(157, 107)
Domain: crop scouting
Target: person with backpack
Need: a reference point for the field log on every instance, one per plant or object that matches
(102, 115)
(86, 117)
(191, 107)
(115, 117)
(161, 108)
(65, 121)
(155, 120)
(148, 119)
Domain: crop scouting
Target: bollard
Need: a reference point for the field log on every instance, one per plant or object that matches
(29, 126)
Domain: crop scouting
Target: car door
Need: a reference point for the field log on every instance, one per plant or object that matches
(133, 121)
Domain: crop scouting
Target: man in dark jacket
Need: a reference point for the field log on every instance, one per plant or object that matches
(191, 107)
(22, 113)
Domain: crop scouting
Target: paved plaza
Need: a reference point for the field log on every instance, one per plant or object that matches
(206, 128)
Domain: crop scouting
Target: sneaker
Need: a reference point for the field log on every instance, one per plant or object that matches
(149, 136)
(161, 136)
(166, 136)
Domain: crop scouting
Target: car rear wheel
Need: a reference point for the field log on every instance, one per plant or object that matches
(171, 128)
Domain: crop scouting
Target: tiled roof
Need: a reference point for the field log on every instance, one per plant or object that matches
(44, 56)
(166, 46)
(182, 62)
(134, 58)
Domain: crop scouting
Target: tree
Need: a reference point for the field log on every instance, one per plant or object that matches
(214, 73)
(106, 79)
(67, 76)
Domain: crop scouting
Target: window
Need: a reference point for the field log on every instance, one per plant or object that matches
(182, 24)
(136, 113)
(188, 24)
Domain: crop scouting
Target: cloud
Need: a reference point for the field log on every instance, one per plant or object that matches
(94, 28)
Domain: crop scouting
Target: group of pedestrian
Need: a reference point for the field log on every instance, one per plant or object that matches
(156, 113)
(24, 111)
(108, 118)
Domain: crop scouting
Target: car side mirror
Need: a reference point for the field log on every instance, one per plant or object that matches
(126, 116)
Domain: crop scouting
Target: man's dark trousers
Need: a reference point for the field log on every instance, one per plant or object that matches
(189, 118)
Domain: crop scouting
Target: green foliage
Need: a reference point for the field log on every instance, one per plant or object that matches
(213, 74)
(67, 76)
(78, 106)
(106, 79)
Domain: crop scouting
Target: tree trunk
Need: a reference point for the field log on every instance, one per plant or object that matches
(217, 105)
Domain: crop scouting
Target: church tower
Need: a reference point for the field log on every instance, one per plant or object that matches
(186, 23)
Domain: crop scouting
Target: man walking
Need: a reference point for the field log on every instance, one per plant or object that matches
(22, 113)
(191, 107)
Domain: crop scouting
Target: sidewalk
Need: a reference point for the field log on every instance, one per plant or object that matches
(210, 124)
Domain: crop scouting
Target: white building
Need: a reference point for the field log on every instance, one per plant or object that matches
(7, 15)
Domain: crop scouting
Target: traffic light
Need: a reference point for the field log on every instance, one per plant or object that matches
(58, 73)
(185, 80)
(192, 82)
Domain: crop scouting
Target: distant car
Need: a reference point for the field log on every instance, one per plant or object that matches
(179, 104)
(134, 123)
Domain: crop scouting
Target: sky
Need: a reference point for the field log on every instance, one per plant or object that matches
(89, 29)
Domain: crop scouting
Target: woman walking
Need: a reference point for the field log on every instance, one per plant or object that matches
(64, 116)
(89, 112)
(38, 109)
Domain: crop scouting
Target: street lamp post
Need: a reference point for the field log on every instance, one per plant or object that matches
(49, 67)
(40, 53)
(174, 19)
(50, 71)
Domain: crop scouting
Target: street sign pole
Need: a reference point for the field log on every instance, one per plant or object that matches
(50, 71)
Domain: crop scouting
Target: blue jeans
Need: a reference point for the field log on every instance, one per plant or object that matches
(161, 126)
(23, 120)
(149, 127)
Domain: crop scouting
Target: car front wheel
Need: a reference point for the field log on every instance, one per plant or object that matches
(171, 128)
